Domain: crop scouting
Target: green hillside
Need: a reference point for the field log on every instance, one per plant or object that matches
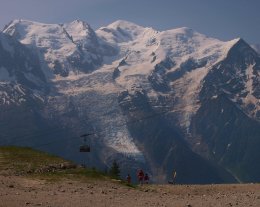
(29, 162)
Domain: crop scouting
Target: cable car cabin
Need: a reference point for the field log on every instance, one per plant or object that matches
(84, 148)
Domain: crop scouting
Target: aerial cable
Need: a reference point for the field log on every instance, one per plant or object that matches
(102, 131)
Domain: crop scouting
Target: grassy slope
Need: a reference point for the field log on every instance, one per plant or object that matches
(29, 162)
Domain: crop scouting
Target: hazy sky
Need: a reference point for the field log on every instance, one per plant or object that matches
(223, 19)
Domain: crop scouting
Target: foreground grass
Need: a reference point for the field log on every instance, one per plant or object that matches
(32, 163)
(28, 162)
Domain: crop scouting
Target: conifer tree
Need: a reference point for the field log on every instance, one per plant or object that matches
(115, 170)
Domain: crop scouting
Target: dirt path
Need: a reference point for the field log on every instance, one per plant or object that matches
(18, 191)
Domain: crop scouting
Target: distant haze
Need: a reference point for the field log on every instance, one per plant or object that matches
(221, 19)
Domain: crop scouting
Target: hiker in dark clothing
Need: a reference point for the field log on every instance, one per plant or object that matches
(128, 179)
(146, 178)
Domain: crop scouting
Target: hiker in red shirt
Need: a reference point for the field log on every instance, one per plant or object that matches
(140, 176)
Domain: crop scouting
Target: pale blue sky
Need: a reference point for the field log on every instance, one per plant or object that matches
(223, 19)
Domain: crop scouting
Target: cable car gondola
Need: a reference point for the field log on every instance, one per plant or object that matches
(84, 147)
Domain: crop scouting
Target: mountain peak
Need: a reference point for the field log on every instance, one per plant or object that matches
(21, 28)
(124, 24)
(79, 23)
(20, 21)
(184, 30)
(120, 31)
(235, 41)
(23, 22)
(241, 45)
(79, 30)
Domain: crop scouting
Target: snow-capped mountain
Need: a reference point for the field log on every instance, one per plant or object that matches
(162, 100)
(20, 71)
(65, 48)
